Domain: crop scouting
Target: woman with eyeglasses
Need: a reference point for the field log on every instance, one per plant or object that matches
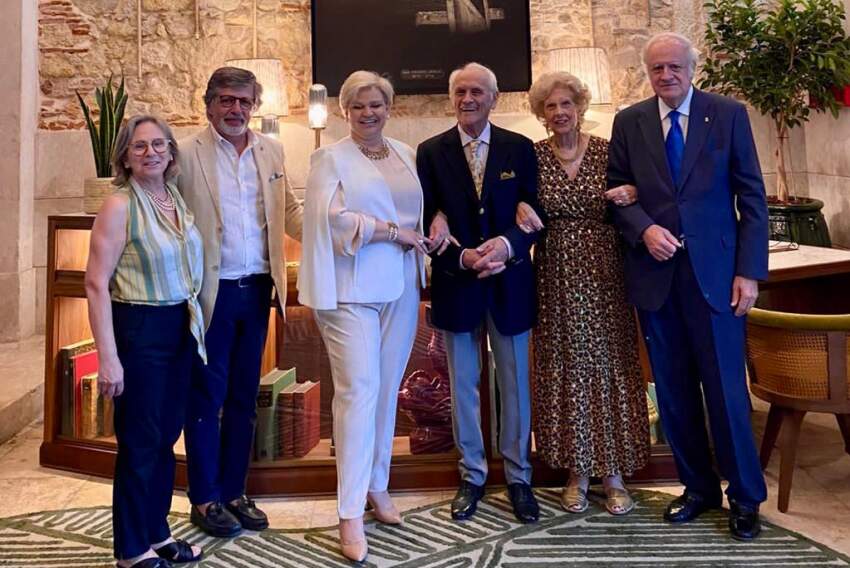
(142, 281)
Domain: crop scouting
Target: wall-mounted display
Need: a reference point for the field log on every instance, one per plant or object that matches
(417, 43)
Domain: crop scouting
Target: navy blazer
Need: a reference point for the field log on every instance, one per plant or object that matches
(718, 204)
(459, 299)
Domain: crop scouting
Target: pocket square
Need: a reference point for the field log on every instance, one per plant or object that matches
(507, 175)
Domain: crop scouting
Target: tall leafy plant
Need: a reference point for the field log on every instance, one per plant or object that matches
(104, 132)
(778, 55)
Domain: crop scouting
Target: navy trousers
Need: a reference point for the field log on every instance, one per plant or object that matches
(156, 349)
(691, 345)
(222, 408)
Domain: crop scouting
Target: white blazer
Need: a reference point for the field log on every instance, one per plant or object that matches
(375, 273)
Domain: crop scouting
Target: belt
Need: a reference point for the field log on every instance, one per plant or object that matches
(249, 280)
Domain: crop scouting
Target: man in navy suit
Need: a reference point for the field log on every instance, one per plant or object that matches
(475, 174)
(696, 249)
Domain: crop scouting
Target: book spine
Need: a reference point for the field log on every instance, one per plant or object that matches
(88, 411)
(264, 449)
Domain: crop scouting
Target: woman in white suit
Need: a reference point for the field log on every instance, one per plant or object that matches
(361, 270)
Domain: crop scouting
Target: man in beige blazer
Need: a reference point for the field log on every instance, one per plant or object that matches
(234, 181)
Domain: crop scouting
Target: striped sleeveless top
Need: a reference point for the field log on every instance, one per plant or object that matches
(161, 264)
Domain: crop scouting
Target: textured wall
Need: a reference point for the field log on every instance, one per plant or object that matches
(82, 41)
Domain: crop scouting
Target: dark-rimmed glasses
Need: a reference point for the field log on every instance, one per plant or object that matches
(227, 101)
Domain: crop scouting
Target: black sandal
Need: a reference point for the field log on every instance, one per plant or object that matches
(178, 552)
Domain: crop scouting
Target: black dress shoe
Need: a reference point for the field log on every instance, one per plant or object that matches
(688, 507)
(466, 500)
(525, 505)
(178, 552)
(744, 521)
(217, 521)
(250, 517)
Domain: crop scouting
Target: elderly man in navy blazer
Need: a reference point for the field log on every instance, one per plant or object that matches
(476, 174)
(696, 249)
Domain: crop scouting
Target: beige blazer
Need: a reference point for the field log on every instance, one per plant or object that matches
(376, 272)
(198, 183)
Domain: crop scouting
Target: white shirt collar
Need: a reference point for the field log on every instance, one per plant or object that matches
(252, 139)
(684, 108)
(483, 137)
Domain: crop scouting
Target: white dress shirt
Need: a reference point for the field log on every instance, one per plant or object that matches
(244, 241)
(684, 110)
(483, 152)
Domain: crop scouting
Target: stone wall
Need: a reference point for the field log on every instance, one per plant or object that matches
(82, 41)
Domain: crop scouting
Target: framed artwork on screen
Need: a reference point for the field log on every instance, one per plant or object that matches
(417, 43)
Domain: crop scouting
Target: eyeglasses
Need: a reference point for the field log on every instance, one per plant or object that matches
(159, 145)
(228, 101)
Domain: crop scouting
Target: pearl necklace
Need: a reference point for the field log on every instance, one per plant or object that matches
(165, 204)
(382, 154)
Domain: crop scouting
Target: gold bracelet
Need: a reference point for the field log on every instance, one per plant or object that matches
(392, 231)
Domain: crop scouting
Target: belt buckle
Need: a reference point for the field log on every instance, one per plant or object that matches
(243, 281)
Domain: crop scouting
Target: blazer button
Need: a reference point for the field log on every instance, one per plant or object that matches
(481, 211)
(214, 267)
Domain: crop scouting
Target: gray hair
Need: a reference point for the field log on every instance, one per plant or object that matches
(122, 144)
(548, 82)
(232, 78)
(360, 80)
(490, 80)
(693, 53)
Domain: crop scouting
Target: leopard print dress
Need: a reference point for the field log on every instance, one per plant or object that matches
(589, 399)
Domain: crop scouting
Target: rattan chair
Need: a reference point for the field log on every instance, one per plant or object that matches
(797, 363)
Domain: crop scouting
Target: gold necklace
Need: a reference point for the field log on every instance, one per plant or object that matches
(381, 154)
(557, 151)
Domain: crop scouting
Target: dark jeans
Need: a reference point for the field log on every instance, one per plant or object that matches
(155, 347)
(223, 402)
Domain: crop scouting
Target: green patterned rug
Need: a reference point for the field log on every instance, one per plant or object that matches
(429, 538)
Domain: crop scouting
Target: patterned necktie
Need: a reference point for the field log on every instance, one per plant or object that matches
(476, 165)
(675, 145)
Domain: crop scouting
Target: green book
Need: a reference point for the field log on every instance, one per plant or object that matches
(265, 438)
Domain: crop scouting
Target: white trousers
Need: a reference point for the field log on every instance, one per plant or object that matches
(368, 347)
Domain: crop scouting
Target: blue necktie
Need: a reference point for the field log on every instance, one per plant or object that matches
(675, 145)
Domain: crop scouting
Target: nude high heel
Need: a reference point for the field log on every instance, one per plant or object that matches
(383, 508)
(352, 539)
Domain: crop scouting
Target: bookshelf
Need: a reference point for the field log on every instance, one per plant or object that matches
(295, 343)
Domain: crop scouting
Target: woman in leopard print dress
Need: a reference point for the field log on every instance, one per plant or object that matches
(589, 398)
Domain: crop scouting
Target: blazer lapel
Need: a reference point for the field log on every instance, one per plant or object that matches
(699, 124)
(264, 173)
(455, 157)
(207, 159)
(650, 126)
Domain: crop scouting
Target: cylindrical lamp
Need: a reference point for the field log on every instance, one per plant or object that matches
(269, 74)
(590, 64)
(317, 111)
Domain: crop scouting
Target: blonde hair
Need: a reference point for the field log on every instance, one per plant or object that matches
(360, 80)
(122, 144)
(548, 82)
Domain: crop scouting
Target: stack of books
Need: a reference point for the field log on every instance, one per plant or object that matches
(288, 416)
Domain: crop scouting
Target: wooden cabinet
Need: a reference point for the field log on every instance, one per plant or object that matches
(295, 343)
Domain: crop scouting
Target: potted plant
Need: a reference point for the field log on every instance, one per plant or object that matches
(102, 134)
(779, 55)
